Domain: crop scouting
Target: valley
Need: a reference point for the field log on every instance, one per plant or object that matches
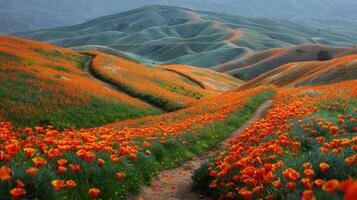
(164, 102)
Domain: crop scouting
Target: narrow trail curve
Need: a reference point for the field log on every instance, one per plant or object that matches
(175, 184)
(93, 76)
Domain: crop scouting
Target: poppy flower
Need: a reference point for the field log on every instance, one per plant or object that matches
(101, 162)
(121, 176)
(309, 173)
(71, 184)
(38, 161)
(330, 186)
(93, 192)
(230, 195)
(324, 167)
(319, 182)
(61, 162)
(291, 186)
(58, 184)
(291, 174)
(13, 148)
(5, 173)
(20, 184)
(30, 152)
(32, 171)
(246, 194)
(277, 184)
(17, 192)
(351, 192)
(307, 195)
(74, 168)
(61, 169)
(351, 160)
(307, 165)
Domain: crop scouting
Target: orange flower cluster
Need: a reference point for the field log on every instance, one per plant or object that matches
(256, 163)
(67, 153)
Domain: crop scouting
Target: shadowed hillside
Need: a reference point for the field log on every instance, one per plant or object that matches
(308, 73)
(251, 66)
(156, 35)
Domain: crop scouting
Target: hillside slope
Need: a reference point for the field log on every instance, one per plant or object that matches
(297, 74)
(168, 90)
(208, 79)
(156, 35)
(249, 67)
(44, 84)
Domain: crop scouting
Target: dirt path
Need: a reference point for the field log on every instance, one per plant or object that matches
(92, 75)
(175, 184)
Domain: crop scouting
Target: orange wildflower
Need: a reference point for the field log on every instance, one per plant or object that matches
(307, 195)
(30, 152)
(101, 162)
(93, 192)
(291, 186)
(61, 169)
(71, 184)
(32, 171)
(61, 162)
(307, 165)
(330, 186)
(20, 184)
(246, 194)
(351, 160)
(351, 192)
(121, 176)
(319, 182)
(309, 173)
(38, 161)
(74, 168)
(324, 167)
(58, 184)
(17, 192)
(5, 173)
(291, 174)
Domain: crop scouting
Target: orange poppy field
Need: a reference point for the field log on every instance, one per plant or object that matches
(89, 125)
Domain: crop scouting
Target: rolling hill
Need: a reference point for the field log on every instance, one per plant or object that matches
(158, 35)
(44, 84)
(305, 73)
(334, 15)
(166, 89)
(207, 79)
(251, 66)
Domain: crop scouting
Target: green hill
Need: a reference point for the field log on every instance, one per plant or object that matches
(156, 35)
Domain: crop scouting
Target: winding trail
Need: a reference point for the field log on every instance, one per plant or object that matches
(175, 184)
(92, 75)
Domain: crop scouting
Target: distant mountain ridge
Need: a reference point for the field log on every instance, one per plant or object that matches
(333, 15)
(157, 35)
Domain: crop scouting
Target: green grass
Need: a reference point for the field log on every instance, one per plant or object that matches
(138, 172)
